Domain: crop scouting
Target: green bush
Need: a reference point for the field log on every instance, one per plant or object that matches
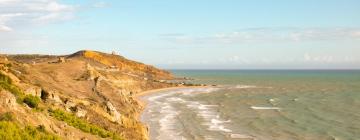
(8, 65)
(41, 128)
(11, 131)
(31, 101)
(6, 83)
(8, 116)
(4, 78)
(84, 126)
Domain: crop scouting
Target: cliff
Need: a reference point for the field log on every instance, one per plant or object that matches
(85, 95)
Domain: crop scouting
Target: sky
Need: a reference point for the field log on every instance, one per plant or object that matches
(190, 34)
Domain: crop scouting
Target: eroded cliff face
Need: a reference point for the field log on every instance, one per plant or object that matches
(132, 68)
(96, 87)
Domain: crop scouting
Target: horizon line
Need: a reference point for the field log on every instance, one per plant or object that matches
(305, 69)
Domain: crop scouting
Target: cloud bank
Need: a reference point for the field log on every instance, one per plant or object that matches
(258, 35)
(19, 13)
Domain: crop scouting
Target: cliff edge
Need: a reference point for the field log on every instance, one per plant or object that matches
(85, 95)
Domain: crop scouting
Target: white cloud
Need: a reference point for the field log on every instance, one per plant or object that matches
(5, 28)
(320, 58)
(100, 4)
(307, 57)
(234, 58)
(5, 18)
(49, 6)
(14, 13)
(356, 34)
(285, 34)
(52, 17)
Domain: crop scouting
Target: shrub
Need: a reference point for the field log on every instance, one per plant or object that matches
(84, 126)
(41, 128)
(6, 83)
(8, 116)
(4, 78)
(8, 65)
(31, 101)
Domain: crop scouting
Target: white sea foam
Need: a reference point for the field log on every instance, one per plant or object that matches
(176, 100)
(240, 136)
(184, 91)
(168, 123)
(159, 96)
(217, 127)
(245, 86)
(209, 138)
(216, 121)
(190, 92)
(274, 101)
(264, 108)
(211, 118)
(165, 114)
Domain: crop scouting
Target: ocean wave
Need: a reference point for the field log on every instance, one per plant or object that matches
(164, 113)
(191, 91)
(207, 112)
(274, 101)
(176, 100)
(240, 136)
(211, 118)
(168, 123)
(246, 87)
(159, 96)
(264, 108)
(183, 91)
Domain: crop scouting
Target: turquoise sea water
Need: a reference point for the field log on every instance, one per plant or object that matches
(259, 104)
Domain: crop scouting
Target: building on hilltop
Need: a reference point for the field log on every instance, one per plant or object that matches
(61, 60)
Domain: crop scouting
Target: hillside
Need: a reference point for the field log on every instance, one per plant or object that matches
(85, 95)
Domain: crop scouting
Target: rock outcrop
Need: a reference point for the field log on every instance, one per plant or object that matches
(33, 90)
(7, 99)
(125, 65)
(113, 112)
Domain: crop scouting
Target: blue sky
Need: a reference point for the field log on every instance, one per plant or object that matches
(196, 34)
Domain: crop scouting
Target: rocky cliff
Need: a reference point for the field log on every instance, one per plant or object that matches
(86, 95)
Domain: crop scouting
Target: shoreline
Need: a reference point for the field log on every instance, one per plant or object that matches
(155, 91)
(143, 103)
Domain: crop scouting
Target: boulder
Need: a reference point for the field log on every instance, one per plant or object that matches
(7, 100)
(80, 112)
(113, 112)
(70, 105)
(33, 90)
(51, 96)
(92, 73)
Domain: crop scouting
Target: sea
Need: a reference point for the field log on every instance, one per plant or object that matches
(258, 105)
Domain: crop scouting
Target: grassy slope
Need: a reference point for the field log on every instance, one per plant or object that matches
(11, 130)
